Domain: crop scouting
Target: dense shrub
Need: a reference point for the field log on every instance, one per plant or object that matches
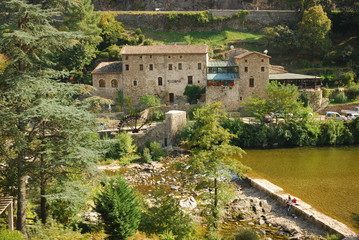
(157, 115)
(120, 147)
(6, 234)
(166, 216)
(119, 209)
(353, 92)
(192, 111)
(292, 133)
(246, 234)
(53, 230)
(340, 98)
(153, 152)
(193, 93)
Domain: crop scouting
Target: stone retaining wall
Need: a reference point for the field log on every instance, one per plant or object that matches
(303, 209)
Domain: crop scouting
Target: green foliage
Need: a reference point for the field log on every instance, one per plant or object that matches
(281, 36)
(340, 98)
(193, 93)
(119, 209)
(53, 230)
(246, 234)
(167, 235)
(325, 4)
(114, 52)
(347, 78)
(138, 31)
(121, 147)
(192, 111)
(10, 235)
(353, 92)
(334, 133)
(67, 200)
(79, 16)
(153, 152)
(167, 219)
(211, 153)
(157, 115)
(278, 98)
(313, 31)
(147, 101)
(333, 237)
(113, 32)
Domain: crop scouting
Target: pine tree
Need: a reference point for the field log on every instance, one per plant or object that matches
(44, 128)
(119, 209)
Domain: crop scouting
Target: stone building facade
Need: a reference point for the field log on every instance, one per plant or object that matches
(166, 70)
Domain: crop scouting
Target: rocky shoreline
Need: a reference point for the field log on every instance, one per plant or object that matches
(250, 208)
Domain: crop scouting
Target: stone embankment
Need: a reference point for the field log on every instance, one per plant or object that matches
(303, 209)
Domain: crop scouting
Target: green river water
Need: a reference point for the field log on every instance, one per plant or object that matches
(327, 178)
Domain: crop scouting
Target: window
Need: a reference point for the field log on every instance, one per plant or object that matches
(246, 60)
(262, 69)
(251, 82)
(169, 56)
(199, 66)
(170, 67)
(190, 79)
(140, 57)
(141, 67)
(135, 83)
(179, 66)
(127, 67)
(180, 57)
(151, 67)
(240, 98)
(245, 69)
(126, 57)
(114, 83)
(159, 81)
(102, 83)
(262, 60)
(150, 56)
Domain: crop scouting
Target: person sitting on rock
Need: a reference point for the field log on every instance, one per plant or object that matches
(289, 204)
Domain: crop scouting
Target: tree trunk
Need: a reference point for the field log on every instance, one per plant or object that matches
(43, 202)
(21, 197)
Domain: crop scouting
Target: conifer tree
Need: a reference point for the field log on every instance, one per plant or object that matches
(119, 209)
(44, 127)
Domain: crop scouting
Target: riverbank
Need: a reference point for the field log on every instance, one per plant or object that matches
(250, 208)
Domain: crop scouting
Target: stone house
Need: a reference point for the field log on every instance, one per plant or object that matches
(166, 70)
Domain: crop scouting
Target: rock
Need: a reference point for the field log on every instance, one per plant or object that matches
(250, 223)
(296, 237)
(261, 222)
(262, 232)
(266, 208)
(189, 203)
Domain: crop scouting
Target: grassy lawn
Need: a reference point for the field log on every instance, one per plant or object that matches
(213, 39)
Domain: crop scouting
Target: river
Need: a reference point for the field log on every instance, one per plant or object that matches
(327, 178)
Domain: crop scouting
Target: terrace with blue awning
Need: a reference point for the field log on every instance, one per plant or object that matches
(222, 73)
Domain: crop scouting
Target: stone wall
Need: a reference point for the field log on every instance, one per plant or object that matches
(225, 94)
(255, 20)
(164, 132)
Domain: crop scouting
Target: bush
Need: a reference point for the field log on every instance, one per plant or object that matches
(119, 209)
(192, 111)
(153, 152)
(166, 216)
(157, 115)
(246, 234)
(193, 93)
(340, 98)
(6, 234)
(53, 230)
(120, 147)
(353, 92)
